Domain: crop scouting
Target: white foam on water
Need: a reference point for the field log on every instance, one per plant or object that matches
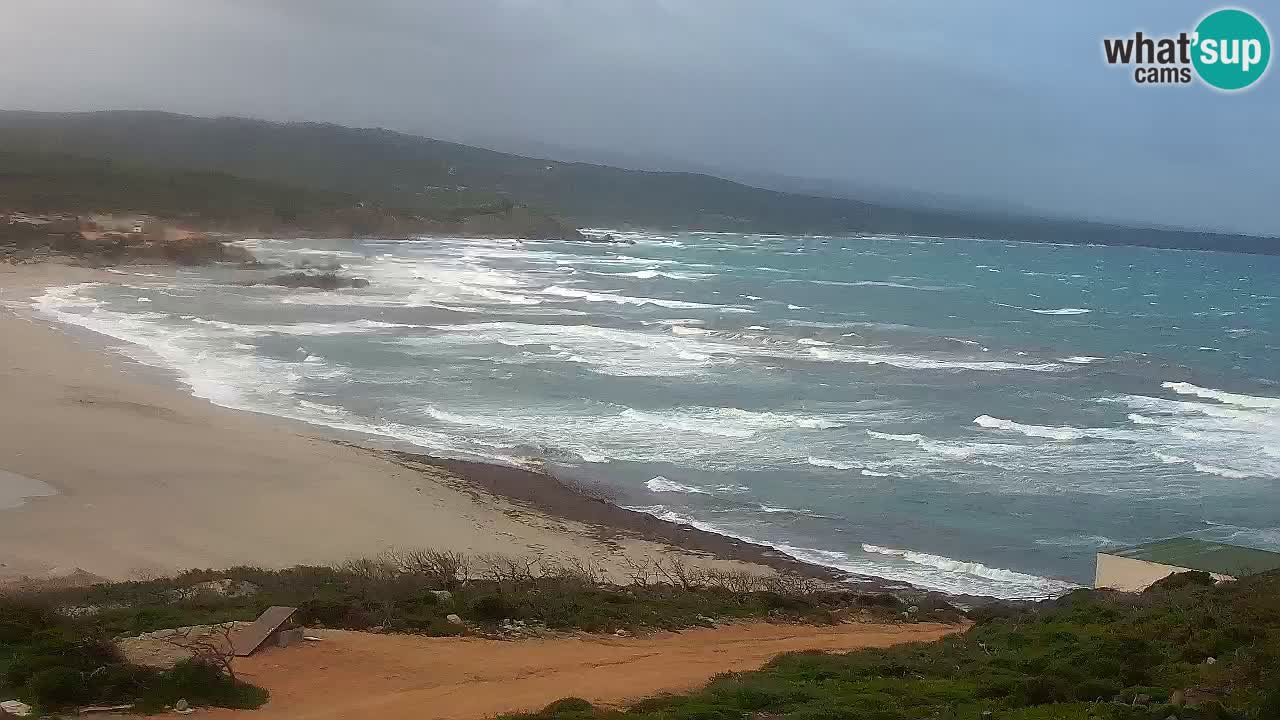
(1222, 396)
(1169, 459)
(1263, 538)
(845, 465)
(1038, 431)
(833, 464)
(308, 329)
(707, 438)
(231, 375)
(950, 450)
(1010, 577)
(458, 419)
(728, 422)
(923, 362)
(880, 283)
(608, 351)
(1081, 359)
(1221, 471)
(1222, 434)
(1063, 311)
(1083, 540)
(777, 509)
(661, 484)
(931, 572)
(651, 274)
(912, 437)
(214, 369)
(589, 296)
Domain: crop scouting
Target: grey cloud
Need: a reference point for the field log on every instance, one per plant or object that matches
(1007, 102)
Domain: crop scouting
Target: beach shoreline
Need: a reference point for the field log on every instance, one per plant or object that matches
(124, 444)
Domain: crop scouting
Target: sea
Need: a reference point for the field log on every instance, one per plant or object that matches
(964, 415)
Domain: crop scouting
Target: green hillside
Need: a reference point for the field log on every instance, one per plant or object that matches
(427, 175)
(1183, 649)
(53, 182)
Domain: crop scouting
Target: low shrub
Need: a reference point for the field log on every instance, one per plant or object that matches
(1092, 656)
(203, 684)
(55, 661)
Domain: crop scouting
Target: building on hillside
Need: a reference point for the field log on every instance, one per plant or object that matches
(1137, 568)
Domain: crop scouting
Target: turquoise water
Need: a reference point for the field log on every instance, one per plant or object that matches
(965, 415)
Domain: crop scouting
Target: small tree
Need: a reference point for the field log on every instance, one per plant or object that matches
(211, 646)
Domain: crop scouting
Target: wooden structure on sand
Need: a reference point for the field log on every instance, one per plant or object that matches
(276, 624)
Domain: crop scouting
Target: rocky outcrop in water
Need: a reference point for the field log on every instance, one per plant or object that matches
(320, 281)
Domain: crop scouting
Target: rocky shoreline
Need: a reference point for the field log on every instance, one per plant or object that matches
(125, 239)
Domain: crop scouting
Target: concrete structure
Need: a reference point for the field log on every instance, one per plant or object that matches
(1137, 568)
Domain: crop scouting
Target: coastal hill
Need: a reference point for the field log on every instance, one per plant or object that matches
(42, 182)
(433, 177)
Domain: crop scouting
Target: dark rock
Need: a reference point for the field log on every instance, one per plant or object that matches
(519, 221)
(322, 281)
(328, 265)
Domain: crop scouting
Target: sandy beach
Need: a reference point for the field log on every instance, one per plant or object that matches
(148, 480)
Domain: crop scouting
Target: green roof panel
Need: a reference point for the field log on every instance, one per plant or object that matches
(1204, 555)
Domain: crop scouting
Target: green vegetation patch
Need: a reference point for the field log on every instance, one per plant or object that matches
(416, 592)
(1185, 649)
(57, 650)
(56, 662)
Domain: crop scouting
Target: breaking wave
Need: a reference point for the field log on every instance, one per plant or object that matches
(660, 484)
(931, 572)
(589, 296)
(923, 362)
(833, 464)
(729, 422)
(1222, 396)
(1011, 577)
(1063, 311)
(838, 465)
(1038, 431)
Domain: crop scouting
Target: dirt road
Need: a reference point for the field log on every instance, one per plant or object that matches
(398, 677)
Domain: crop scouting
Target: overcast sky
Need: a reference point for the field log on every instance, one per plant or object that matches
(1006, 102)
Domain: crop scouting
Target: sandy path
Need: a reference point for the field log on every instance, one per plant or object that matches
(398, 677)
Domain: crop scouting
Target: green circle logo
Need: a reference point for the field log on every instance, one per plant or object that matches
(1232, 49)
